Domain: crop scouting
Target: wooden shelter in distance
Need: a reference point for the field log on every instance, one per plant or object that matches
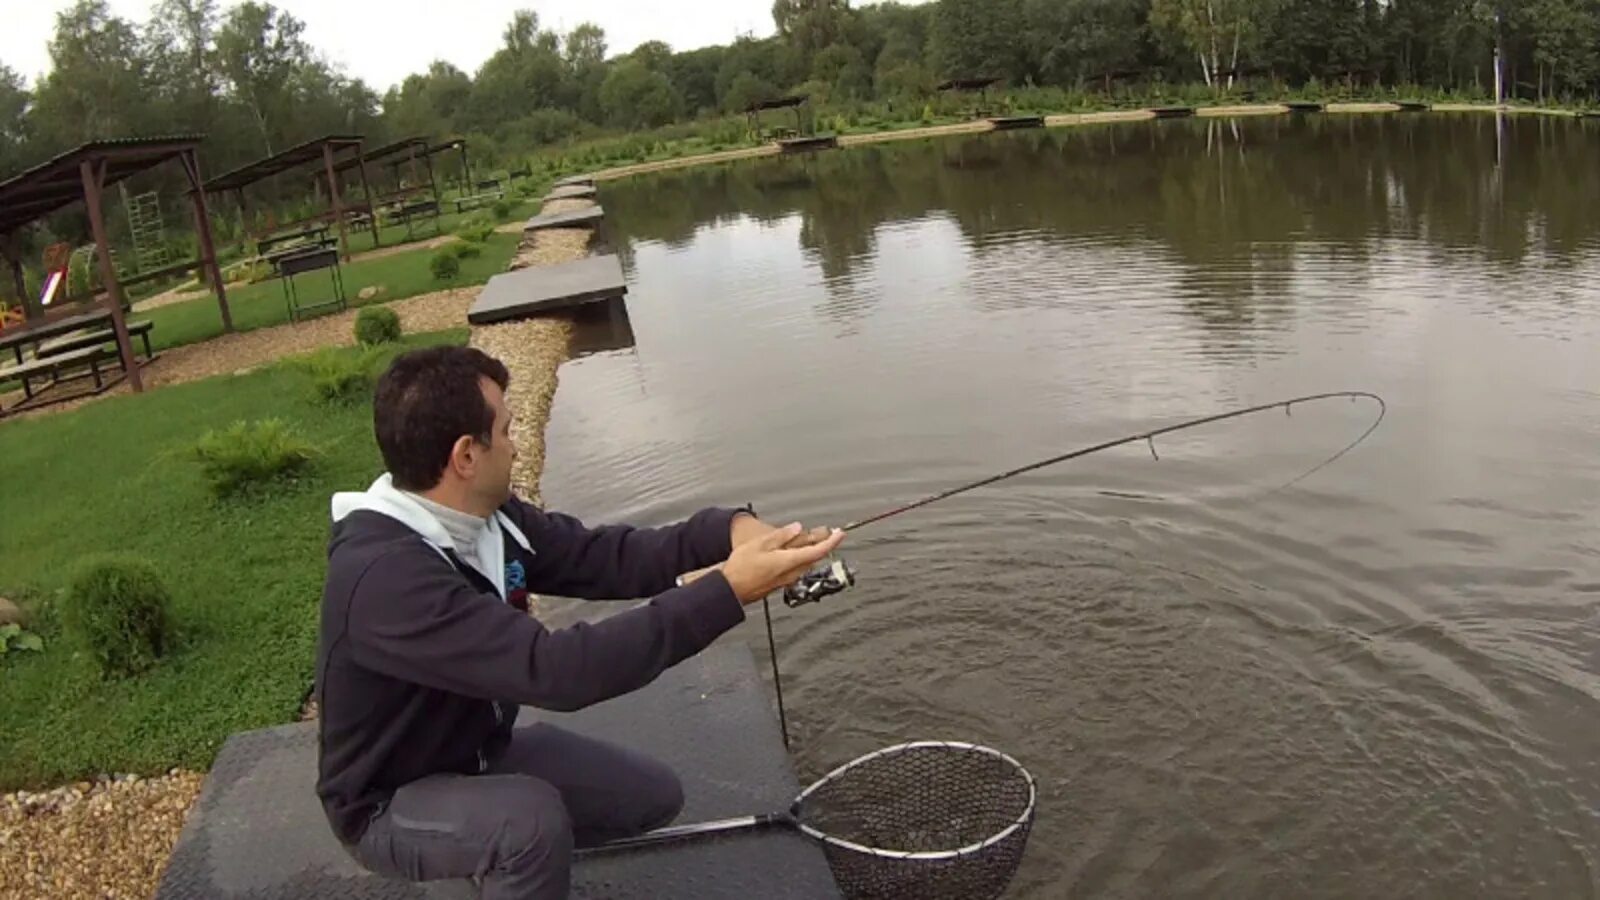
(323, 148)
(793, 101)
(980, 84)
(83, 174)
(406, 152)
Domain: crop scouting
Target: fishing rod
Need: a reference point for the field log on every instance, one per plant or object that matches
(837, 575)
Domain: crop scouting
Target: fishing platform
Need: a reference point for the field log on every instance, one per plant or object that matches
(586, 217)
(808, 143)
(1009, 123)
(258, 830)
(573, 191)
(539, 289)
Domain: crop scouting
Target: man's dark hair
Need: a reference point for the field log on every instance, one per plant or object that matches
(425, 402)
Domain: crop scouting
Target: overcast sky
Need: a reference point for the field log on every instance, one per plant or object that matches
(382, 41)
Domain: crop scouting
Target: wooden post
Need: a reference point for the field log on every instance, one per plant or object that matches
(10, 248)
(466, 169)
(366, 189)
(202, 227)
(93, 180)
(333, 193)
(427, 163)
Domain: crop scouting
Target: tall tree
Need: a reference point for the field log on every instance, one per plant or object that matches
(14, 102)
(978, 38)
(98, 77)
(260, 49)
(1215, 32)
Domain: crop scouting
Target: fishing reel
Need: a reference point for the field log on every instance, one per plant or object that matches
(825, 580)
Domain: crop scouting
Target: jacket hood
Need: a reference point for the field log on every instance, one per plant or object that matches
(387, 500)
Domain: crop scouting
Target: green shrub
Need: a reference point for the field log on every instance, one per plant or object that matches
(444, 265)
(116, 608)
(377, 325)
(247, 455)
(465, 249)
(475, 230)
(339, 375)
(502, 210)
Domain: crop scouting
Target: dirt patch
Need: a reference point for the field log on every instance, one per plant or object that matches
(1265, 109)
(1126, 115)
(109, 838)
(1361, 107)
(243, 351)
(977, 126)
(178, 294)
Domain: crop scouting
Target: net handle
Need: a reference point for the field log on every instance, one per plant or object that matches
(675, 833)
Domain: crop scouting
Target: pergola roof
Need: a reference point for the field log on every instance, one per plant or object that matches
(419, 144)
(56, 183)
(283, 161)
(966, 84)
(442, 146)
(779, 103)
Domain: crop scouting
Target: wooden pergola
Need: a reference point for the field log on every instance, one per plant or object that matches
(460, 146)
(979, 84)
(325, 148)
(754, 110)
(405, 152)
(84, 173)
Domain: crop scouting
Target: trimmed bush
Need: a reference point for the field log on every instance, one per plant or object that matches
(377, 325)
(116, 608)
(444, 265)
(475, 230)
(340, 376)
(248, 455)
(466, 249)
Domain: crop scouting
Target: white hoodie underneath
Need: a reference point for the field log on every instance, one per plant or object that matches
(487, 556)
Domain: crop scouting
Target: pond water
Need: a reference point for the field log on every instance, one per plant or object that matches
(1381, 681)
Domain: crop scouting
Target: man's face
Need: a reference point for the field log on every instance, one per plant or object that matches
(492, 477)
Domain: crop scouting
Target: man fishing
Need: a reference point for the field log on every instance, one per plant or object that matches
(427, 648)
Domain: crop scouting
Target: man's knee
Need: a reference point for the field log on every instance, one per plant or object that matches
(535, 829)
(662, 797)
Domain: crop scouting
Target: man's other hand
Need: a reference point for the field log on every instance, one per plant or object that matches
(747, 527)
(776, 559)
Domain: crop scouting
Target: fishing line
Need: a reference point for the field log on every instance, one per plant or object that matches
(836, 576)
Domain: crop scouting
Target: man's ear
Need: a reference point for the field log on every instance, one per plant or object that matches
(461, 455)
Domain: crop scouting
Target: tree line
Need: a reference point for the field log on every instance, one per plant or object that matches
(246, 76)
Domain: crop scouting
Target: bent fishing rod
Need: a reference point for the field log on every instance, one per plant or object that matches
(837, 575)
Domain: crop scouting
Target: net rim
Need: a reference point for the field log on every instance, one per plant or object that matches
(1022, 820)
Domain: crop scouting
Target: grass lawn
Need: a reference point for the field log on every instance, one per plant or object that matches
(261, 305)
(245, 576)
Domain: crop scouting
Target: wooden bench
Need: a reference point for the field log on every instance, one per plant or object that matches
(478, 199)
(140, 330)
(55, 365)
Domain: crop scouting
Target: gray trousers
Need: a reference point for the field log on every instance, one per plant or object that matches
(513, 828)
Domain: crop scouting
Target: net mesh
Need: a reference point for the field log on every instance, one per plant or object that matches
(952, 803)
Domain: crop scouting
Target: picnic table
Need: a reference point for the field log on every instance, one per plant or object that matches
(64, 346)
(14, 339)
(419, 209)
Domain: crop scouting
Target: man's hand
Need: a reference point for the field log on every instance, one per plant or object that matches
(776, 559)
(746, 528)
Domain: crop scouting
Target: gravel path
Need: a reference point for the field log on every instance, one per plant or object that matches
(105, 839)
